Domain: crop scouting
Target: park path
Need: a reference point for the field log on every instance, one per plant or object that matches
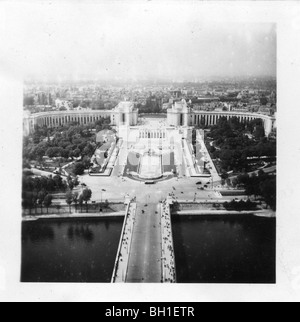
(145, 264)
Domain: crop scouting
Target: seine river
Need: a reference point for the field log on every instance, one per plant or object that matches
(207, 249)
(70, 250)
(225, 250)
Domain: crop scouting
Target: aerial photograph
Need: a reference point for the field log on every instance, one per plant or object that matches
(149, 148)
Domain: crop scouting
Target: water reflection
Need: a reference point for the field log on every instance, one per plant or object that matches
(106, 223)
(81, 250)
(81, 232)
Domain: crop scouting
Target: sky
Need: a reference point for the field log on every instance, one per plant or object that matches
(126, 40)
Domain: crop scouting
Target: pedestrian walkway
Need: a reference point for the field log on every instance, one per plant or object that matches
(168, 255)
(121, 263)
(204, 151)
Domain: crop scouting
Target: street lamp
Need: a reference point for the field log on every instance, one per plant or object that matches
(103, 190)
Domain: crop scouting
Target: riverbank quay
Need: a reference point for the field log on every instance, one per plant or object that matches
(258, 213)
(73, 216)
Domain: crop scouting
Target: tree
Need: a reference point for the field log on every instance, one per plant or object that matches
(48, 202)
(212, 149)
(80, 201)
(58, 181)
(86, 196)
(76, 182)
(79, 169)
(50, 152)
(75, 200)
(263, 100)
(88, 150)
(76, 153)
(268, 191)
(35, 199)
(71, 185)
(41, 196)
(44, 183)
(228, 182)
(69, 199)
(234, 182)
(243, 178)
(86, 162)
(27, 200)
(259, 132)
(50, 185)
(224, 175)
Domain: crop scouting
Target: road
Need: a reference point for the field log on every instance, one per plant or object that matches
(145, 264)
(117, 188)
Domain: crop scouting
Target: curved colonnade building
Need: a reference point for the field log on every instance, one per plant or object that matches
(125, 115)
(181, 115)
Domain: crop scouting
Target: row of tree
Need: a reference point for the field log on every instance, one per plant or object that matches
(34, 199)
(79, 199)
(38, 191)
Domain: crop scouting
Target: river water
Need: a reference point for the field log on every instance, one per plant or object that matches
(81, 250)
(224, 250)
(207, 249)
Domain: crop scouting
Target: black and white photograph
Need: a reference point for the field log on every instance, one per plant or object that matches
(147, 148)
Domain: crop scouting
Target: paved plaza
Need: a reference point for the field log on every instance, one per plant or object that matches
(117, 186)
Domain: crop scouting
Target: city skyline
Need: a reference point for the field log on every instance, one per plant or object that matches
(140, 42)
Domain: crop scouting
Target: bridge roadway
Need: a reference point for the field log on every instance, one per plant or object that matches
(145, 265)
